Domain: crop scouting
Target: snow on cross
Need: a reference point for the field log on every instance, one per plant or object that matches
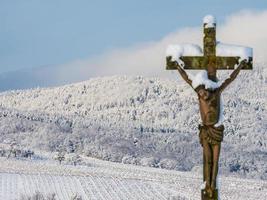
(215, 55)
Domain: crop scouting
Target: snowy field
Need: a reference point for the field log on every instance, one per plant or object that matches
(107, 180)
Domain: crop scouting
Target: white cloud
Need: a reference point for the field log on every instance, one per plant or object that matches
(144, 59)
(244, 28)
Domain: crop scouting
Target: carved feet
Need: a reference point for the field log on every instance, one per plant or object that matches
(209, 193)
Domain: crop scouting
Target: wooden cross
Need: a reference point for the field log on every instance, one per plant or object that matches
(209, 61)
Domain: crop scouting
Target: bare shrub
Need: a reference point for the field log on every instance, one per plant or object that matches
(39, 196)
(76, 197)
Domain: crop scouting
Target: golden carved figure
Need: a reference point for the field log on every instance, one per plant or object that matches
(210, 135)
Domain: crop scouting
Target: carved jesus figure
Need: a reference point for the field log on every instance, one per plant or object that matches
(210, 134)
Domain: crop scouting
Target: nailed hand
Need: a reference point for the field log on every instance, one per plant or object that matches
(171, 63)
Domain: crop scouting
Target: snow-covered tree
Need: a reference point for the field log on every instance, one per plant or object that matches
(60, 156)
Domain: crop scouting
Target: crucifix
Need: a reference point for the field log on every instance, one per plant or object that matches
(210, 131)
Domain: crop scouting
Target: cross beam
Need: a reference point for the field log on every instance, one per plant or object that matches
(209, 61)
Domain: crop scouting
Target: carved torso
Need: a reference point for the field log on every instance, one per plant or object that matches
(209, 105)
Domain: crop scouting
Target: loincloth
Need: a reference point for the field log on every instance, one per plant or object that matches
(212, 134)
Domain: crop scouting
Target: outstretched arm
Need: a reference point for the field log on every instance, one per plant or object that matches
(180, 70)
(232, 76)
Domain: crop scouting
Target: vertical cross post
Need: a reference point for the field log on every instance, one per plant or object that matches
(209, 49)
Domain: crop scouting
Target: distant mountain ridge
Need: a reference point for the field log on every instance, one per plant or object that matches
(146, 121)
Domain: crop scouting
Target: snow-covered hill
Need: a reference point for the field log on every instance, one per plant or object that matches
(102, 180)
(145, 121)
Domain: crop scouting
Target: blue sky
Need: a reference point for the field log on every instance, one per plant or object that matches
(36, 33)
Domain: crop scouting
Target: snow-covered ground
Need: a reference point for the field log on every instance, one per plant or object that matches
(103, 180)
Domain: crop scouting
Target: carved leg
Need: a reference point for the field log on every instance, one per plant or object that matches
(207, 162)
(215, 153)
